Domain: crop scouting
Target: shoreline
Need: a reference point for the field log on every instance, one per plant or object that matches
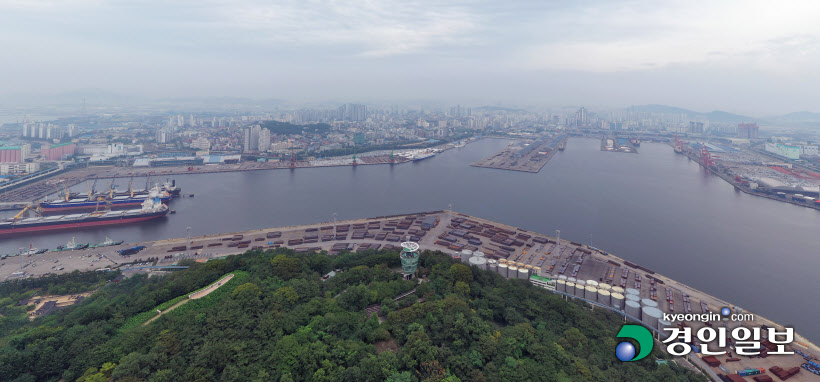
(740, 187)
(293, 237)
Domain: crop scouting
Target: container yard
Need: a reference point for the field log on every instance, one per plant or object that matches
(756, 173)
(527, 156)
(573, 269)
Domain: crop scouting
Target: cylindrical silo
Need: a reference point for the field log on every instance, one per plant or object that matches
(617, 289)
(562, 277)
(502, 269)
(580, 284)
(580, 289)
(604, 297)
(633, 308)
(650, 316)
(466, 254)
(492, 265)
(570, 288)
(649, 302)
(512, 271)
(591, 293)
(592, 282)
(523, 273)
(561, 286)
(663, 324)
(605, 287)
(633, 291)
(632, 297)
(480, 262)
(617, 301)
(571, 279)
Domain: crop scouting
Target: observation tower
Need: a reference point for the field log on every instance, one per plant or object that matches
(409, 259)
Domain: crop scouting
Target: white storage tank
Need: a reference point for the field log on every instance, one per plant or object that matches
(591, 293)
(466, 254)
(561, 286)
(617, 300)
(580, 288)
(617, 289)
(480, 262)
(632, 297)
(633, 308)
(649, 302)
(479, 254)
(592, 282)
(572, 279)
(633, 291)
(650, 316)
(604, 297)
(605, 287)
(502, 269)
(562, 277)
(523, 273)
(512, 271)
(492, 264)
(570, 288)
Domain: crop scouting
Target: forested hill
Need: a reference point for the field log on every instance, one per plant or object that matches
(276, 320)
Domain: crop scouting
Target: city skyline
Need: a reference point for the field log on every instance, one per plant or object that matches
(756, 59)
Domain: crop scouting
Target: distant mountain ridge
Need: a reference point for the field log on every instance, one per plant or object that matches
(797, 117)
(713, 116)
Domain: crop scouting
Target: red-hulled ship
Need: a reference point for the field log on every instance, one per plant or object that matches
(151, 209)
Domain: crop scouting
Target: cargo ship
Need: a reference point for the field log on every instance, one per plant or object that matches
(562, 146)
(635, 141)
(423, 156)
(151, 209)
(120, 201)
(169, 186)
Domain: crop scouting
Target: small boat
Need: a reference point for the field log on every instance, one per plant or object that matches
(70, 246)
(107, 243)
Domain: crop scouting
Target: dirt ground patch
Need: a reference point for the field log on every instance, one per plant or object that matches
(389, 345)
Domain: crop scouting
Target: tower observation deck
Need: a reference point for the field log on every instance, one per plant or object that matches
(409, 258)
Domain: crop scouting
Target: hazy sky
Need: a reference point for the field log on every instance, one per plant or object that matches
(754, 57)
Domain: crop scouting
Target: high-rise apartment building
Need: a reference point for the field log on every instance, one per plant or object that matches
(252, 138)
(748, 130)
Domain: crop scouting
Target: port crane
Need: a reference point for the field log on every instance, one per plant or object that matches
(705, 157)
(26, 209)
(678, 144)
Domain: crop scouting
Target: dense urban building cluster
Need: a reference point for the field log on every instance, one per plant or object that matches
(328, 131)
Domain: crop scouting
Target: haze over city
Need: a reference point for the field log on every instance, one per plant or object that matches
(756, 59)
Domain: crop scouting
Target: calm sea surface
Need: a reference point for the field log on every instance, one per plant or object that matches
(657, 209)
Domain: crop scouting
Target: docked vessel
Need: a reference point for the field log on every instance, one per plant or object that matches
(107, 243)
(70, 246)
(423, 156)
(151, 209)
(169, 186)
(115, 201)
(635, 141)
(562, 146)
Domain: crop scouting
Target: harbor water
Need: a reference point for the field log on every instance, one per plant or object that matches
(657, 209)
